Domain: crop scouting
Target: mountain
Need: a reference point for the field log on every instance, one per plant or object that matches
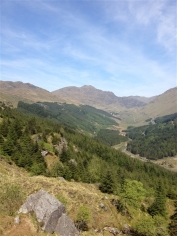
(85, 95)
(18, 91)
(132, 110)
(161, 105)
(89, 95)
(164, 104)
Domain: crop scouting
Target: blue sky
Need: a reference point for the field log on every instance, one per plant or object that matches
(127, 47)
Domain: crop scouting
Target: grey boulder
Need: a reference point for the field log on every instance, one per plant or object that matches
(50, 213)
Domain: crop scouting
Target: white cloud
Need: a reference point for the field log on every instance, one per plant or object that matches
(159, 16)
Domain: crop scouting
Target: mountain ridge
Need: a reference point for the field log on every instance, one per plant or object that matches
(88, 94)
(133, 110)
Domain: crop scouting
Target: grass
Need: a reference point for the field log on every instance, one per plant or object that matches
(73, 194)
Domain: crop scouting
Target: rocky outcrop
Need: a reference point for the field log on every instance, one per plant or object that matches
(50, 213)
(112, 230)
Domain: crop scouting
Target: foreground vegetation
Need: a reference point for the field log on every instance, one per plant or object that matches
(142, 193)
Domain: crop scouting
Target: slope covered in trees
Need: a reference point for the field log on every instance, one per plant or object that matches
(83, 159)
(110, 137)
(155, 141)
(22, 138)
(82, 117)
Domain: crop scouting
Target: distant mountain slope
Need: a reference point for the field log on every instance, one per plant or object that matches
(132, 110)
(98, 98)
(163, 104)
(18, 91)
(154, 141)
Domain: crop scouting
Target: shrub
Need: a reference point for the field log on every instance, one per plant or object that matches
(11, 198)
(151, 226)
(83, 218)
(145, 226)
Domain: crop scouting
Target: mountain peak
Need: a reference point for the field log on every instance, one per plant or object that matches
(87, 86)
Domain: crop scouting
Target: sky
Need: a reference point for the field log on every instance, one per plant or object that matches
(128, 47)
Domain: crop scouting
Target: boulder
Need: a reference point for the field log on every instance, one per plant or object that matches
(50, 213)
(66, 227)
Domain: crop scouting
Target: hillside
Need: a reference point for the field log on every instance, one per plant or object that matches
(155, 141)
(86, 95)
(84, 118)
(132, 110)
(49, 151)
(98, 98)
(163, 104)
(74, 195)
(18, 91)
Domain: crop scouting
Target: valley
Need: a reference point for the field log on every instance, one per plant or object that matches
(77, 148)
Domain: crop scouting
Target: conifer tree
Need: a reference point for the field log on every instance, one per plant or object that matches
(159, 205)
(107, 183)
(1, 140)
(173, 223)
(64, 157)
(4, 127)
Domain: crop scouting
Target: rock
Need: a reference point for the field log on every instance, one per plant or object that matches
(103, 206)
(66, 227)
(72, 195)
(73, 161)
(49, 213)
(46, 207)
(17, 220)
(126, 229)
(44, 153)
(61, 178)
(112, 230)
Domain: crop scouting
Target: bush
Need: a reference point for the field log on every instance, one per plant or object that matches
(151, 226)
(83, 218)
(133, 193)
(145, 226)
(11, 198)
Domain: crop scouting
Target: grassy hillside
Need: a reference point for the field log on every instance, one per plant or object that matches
(164, 104)
(72, 194)
(18, 91)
